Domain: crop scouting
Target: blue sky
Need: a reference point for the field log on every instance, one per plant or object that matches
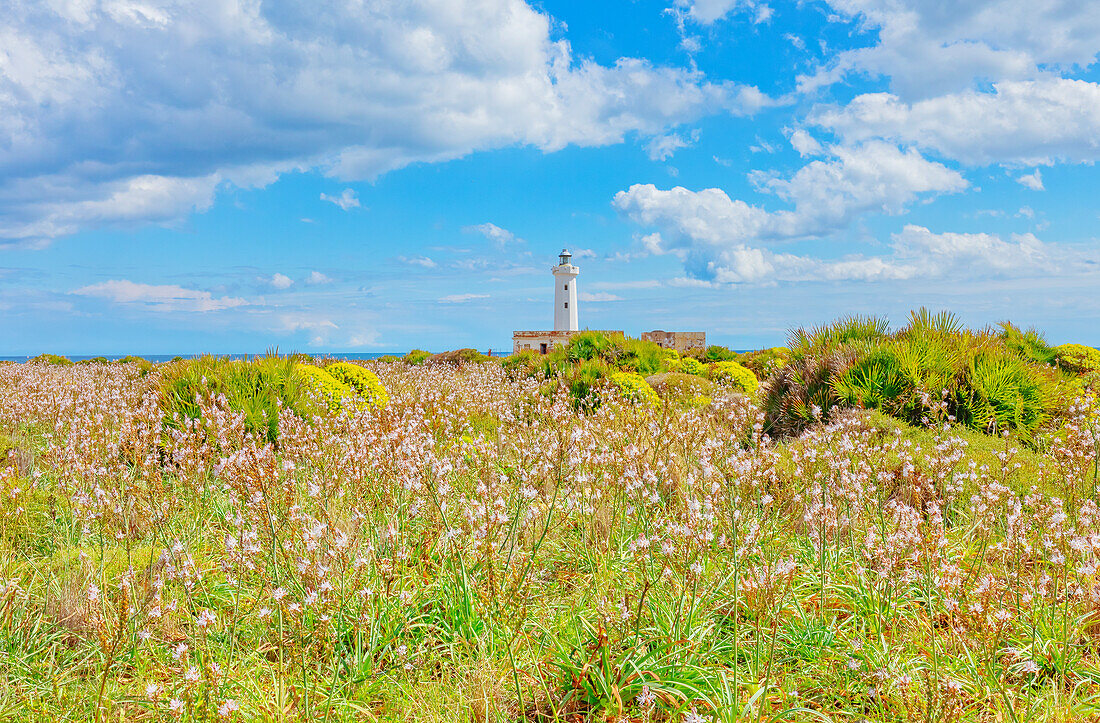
(223, 176)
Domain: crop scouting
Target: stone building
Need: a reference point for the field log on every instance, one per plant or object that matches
(681, 341)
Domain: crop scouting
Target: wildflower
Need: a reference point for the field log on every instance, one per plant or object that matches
(1029, 667)
(278, 593)
(206, 619)
(646, 698)
(228, 708)
(175, 706)
(152, 691)
(180, 651)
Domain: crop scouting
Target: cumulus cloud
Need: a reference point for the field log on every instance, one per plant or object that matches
(461, 298)
(928, 47)
(316, 277)
(599, 296)
(1034, 181)
(281, 281)
(99, 120)
(496, 234)
(826, 194)
(347, 200)
(1023, 122)
(166, 297)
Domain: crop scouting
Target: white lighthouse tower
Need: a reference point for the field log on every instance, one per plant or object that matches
(565, 293)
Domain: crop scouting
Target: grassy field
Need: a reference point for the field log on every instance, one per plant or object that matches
(478, 550)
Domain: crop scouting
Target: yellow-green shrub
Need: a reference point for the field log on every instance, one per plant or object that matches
(328, 388)
(633, 387)
(687, 365)
(735, 375)
(1078, 358)
(363, 381)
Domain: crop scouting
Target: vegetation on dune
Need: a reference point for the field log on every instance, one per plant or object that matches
(1078, 358)
(363, 381)
(734, 375)
(930, 369)
(52, 359)
(211, 542)
(765, 362)
(255, 389)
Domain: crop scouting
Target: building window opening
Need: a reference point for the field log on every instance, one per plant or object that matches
(567, 287)
(567, 305)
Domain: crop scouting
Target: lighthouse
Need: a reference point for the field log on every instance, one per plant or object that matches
(565, 292)
(565, 312)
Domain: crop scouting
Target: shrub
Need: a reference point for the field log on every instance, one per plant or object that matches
(51, 359)
(583, 381)
(681, 388)
(94, 360)
(876, 380)
(525, 362)
(592, 345)
(417, 357)
(1029, 345)
(801, 393)
(255, 388)
(716, 353)
(687, 365)
(765, 362)
(457, 357)
(633, 387)
(643, 357)
(733, 374)
(388, 359)
(363, 381)
(1003, 393)
(329, 390)
(144, 365)
(1078, 358)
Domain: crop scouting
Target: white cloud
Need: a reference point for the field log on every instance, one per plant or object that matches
(1023, 122)
(348, 199)
(351, 89)
(320, 329)
(804, 143)
(826, 194)
(316, 277)
(708, 11)
(423, 261)
(1034, 181)
(281, 281)
(461, 298)
(496, 234)
(599, 296)
(661, 148)
(929, 47)
(165, 297)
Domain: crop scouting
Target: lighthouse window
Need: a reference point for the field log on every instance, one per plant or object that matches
(567, 305)
(567, 287)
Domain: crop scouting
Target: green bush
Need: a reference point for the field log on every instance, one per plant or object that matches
(417, 357)
(633, 388)
(589, 345)
(457, 357)
(1078, 358)
(991, 382)
(363, 381)
(94, 360)
(584, 380)
(730, 373)
(765, 362)
(256, 388)
(51, 359)
(525, 362)
(716, 353)
(1029, 345)
(328, 389)
(1003, 393)
(144, 365)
